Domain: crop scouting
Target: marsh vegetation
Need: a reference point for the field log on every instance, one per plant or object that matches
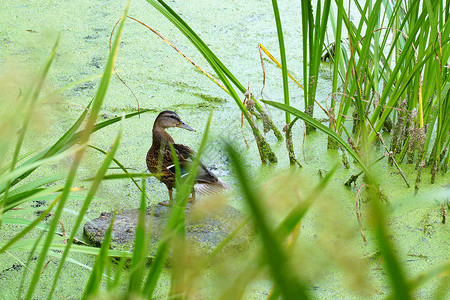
(387, 110)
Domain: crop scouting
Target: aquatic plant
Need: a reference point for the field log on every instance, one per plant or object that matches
(289, 142)
(401, 80)
(383, 80)
(275, 256)
(313, 30)
(376, 73)
(395, 79)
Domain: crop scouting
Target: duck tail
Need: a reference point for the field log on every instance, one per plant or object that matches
(205, 189)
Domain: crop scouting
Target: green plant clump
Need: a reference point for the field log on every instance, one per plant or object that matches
(406, 82)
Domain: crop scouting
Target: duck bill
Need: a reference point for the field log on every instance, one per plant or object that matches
(185, 126)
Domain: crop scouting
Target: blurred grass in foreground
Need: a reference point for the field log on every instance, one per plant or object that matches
(282, 254)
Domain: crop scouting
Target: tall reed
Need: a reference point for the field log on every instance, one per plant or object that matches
(270, 252)
(289, 142)
(398, 67)
(313, 29)
(394, 76)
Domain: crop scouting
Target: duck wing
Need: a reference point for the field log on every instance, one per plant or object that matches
(186, 157)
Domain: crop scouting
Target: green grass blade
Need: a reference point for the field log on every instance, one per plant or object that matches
(224, 74)
(283, 230)
(31, 226)
(31, 253)
(290, 286)
(23, 222)
(39, 182)
(209, 55)
(178, 240)
(7, 167)
(96, 276)
(85, 206)
(70, 138)
(393, 78)
(139, 250)
(29, 102)
(276, 12)
(326, 130)
(394, 270)
(306, 15)
(110, 122)
(32, 195)
(338, 59)
(86, 250)
(321, 28)
(96, 104)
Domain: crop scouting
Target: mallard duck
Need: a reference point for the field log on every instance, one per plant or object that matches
(160, 161)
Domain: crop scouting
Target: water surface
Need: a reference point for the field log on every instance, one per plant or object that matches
(161, 79)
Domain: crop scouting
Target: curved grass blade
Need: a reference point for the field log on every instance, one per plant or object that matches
(276, 256)
(140, 249)
(84, 137)
(224, 74)
(32, 98)
(283, 230)
(7, 167)
(96, 276)
(306, 118)
(27, 167)
(36, 184)
(32, 195)
(70, 138)
(86, 203)
(27, 229)
(24, 222)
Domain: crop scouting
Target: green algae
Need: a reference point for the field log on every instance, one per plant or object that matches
(162, 80)
(210, 99)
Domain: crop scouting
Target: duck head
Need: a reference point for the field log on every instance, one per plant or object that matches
(168, 119)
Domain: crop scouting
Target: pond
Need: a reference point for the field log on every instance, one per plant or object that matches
(158, 78)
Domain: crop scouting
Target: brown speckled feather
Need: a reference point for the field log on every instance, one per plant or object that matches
(159, 159)
(185, 157)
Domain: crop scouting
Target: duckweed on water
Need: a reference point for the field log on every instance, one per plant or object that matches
(329, 259)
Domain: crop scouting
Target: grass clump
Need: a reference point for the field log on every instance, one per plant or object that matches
(281, 250)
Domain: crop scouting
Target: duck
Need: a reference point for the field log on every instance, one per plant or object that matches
(160, 161)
